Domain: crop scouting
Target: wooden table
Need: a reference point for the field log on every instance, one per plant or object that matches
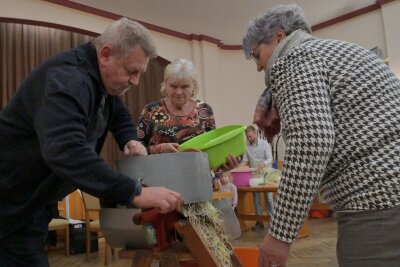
(220, 195)
(245, 216)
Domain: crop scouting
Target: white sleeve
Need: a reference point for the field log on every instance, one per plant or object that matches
(235, 195)
(245, 159)
(268, 154)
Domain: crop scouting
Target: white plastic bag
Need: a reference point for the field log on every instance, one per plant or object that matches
(254, 182)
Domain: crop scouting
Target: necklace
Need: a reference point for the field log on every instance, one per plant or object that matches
(180, 113)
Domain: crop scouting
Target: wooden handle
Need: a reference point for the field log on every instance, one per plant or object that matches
(194, 244)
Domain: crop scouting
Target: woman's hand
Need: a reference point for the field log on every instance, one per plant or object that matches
(231, 163)
(158, 197)
(273, 252)
(164, 148)
(134, 148)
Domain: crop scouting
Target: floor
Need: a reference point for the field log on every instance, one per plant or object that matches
(317, 250)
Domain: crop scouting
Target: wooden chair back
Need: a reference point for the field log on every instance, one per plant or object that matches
(92, 204)
(61, 224)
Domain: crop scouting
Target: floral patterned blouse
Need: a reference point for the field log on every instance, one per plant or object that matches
(157, 125)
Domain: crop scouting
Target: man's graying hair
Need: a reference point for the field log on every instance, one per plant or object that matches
(124, 35)
(289, 18)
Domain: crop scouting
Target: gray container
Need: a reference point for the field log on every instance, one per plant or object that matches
(119, 230)
(184, 172)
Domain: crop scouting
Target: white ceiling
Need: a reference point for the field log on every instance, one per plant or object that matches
(225, 20)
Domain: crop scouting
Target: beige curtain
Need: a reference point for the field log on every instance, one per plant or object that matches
(23, 47)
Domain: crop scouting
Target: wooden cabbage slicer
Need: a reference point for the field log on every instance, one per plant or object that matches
(169, 250)
(200, 252)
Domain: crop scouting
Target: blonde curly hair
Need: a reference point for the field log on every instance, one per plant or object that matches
(180, 69)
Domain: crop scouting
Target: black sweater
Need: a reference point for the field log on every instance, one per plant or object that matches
(45, 134)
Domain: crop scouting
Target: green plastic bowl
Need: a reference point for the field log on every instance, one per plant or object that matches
(219, 143)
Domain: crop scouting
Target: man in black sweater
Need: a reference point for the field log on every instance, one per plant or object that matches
(52, 131)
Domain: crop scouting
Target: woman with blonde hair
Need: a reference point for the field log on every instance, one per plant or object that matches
(179, 116)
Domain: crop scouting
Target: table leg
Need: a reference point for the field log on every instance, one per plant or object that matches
(241, 210)
(304, 230)
(142, 258)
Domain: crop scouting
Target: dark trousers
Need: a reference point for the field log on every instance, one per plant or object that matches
(369, 238)
(25, 247)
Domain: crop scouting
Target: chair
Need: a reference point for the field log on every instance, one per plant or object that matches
(61, 224)
(92, 204)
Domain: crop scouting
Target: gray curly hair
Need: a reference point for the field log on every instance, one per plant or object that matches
(180, 69)
(124, 35)
(289, 18)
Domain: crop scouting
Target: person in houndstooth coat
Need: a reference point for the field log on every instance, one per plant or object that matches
(338, 108)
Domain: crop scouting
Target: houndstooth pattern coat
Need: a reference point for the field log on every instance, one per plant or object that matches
(340, 115)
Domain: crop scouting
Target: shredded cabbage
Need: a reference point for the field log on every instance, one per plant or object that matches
(271, 175)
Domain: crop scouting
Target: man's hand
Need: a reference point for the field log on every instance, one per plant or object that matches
(158, 197)
(273, 252)
(134, 148)
(164, 148)
(231, 162)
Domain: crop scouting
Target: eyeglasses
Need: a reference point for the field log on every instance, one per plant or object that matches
(255, 57)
